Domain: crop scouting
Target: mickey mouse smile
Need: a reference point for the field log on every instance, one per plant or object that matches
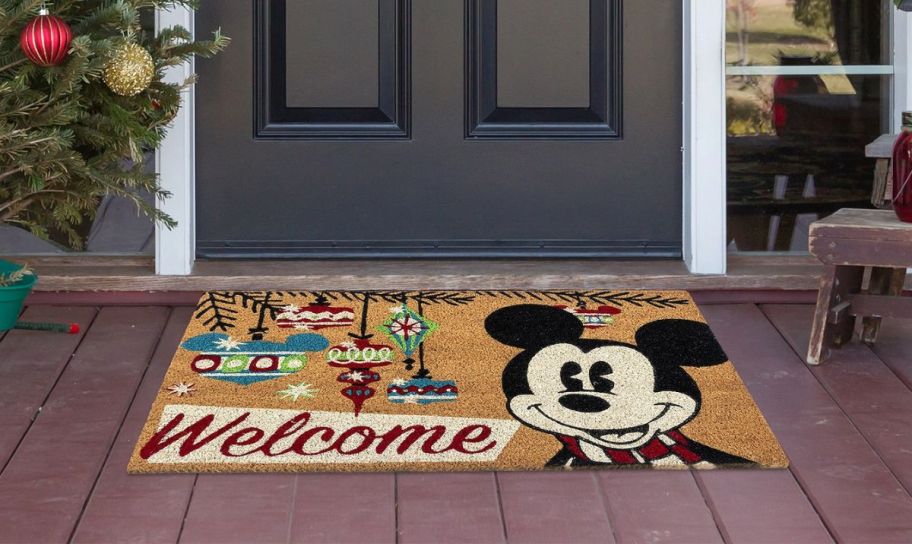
(617, 437)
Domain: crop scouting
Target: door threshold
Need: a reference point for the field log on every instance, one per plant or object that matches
(134, 274)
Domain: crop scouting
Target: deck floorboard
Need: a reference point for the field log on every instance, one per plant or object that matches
(652, 506)
(842, 424)
(148, 508)
(761, 506)
(28, 373)
(45, 485)
(448, 508)
(894, 348)
(240, 508)
(876, 400)
(324, 510)
(855, 493)
(554, 507)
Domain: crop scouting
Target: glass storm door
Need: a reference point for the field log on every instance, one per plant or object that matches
(440, 128)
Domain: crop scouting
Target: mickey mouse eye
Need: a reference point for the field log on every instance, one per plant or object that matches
(598, 376)
(569, 373)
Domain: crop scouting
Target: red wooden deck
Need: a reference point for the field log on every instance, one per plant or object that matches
(71, 408)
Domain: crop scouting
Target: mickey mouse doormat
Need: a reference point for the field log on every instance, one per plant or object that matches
(451, 381)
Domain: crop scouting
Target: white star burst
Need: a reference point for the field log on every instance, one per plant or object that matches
(356, 376)
(182, 389)
(291, 308)
(228, 344)
(299, 391)
(398, 381)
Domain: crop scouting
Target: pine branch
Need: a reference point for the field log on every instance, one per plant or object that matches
(217, 308)
(262, 301)
(619, 298)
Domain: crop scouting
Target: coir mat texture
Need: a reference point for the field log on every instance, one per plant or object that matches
(451, 381)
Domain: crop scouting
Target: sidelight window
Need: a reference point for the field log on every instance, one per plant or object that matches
(808, 85)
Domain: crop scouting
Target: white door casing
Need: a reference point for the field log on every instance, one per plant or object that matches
(703, 160)
(175, 249)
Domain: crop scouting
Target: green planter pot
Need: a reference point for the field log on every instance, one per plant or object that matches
(12, 297)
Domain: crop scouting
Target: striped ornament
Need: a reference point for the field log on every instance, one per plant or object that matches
(46, 39)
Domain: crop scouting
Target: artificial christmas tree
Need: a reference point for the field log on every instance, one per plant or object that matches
(66, 139)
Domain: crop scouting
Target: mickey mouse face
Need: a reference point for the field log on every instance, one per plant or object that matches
(605, 396)
(606, 393)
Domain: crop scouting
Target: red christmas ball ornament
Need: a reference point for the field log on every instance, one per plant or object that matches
(46, 39)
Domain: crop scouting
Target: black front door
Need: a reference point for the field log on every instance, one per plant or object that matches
(440, 127)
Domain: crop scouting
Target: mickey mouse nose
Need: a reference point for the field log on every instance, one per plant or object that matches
(584, 403)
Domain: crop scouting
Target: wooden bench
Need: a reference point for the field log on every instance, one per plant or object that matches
(881, 150)
(852, 243)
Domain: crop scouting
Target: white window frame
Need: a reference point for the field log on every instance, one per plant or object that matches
(902, 71)
(703, 150)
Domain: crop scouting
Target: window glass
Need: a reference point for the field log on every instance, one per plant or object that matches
(796, 136)
(805, 32)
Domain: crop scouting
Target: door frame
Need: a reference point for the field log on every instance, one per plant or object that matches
(703, 150)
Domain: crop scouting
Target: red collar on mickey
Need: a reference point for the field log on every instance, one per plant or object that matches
(670, 443)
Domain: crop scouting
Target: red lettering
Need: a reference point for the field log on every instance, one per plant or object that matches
(158, 441)
(430, 440)
(254, 435)
(465, 435)
(417, 431)
(287, 429)
(301, 441)
(367, 438)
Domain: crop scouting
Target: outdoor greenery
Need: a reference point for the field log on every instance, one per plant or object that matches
(67, 140)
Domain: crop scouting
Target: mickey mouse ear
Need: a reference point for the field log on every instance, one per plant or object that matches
(679, 342)
(532, 326)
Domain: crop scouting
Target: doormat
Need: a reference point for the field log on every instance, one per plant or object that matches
(450, 381)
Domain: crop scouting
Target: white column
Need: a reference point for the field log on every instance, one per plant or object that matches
(704, 136)
(175, 249)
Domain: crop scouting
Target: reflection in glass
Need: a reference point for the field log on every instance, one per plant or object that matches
(847, 32)
(796, 142)
(796, 152)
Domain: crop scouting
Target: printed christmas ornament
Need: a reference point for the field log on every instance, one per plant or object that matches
(592, 318)
(407, 328)
(421, 391)
(358, 359)
(223, 358)
(130, 70)
(315, 316)
(46, 39)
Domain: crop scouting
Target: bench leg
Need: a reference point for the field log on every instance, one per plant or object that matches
(833, 326)
(884, 281)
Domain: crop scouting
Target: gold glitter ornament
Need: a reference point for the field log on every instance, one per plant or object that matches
(130, 70)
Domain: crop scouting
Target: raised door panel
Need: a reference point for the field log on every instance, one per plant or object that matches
(332, 69)
(543, 69)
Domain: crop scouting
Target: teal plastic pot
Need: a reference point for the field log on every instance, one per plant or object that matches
(12, 297)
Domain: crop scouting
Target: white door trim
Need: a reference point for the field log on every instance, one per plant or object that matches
(704, 233)
(175, 250)
(703, 149)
